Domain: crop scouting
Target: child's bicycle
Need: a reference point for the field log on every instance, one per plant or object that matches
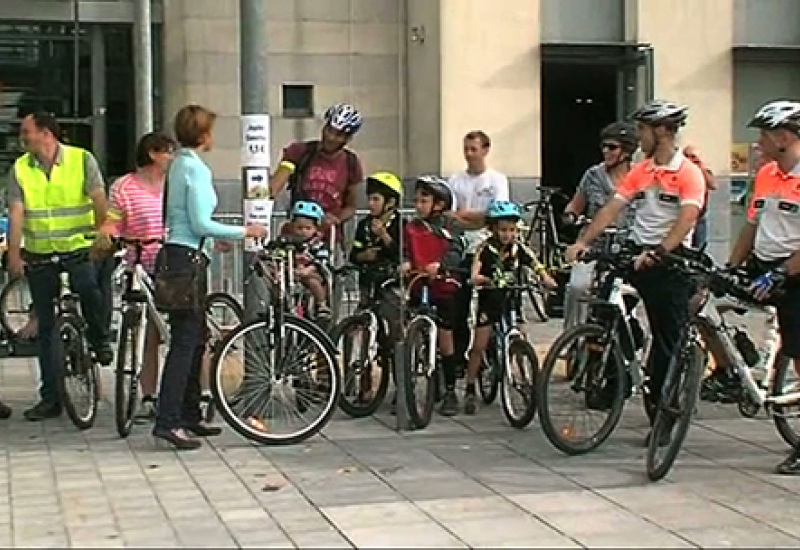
(275, 379)
(365, 344)
(421, 335)
(510, 362)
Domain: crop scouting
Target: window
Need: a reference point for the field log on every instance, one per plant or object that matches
(298, 100)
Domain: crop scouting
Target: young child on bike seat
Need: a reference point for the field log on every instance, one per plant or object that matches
(306, 218)
(434, 245)
(497, 261)
(377, 239)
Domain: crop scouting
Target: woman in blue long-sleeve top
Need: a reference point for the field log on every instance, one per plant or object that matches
(191, 200)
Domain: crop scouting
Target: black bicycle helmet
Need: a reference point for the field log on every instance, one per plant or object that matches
(777, 114)
(622, 132)
(661, 112)
(436, 187)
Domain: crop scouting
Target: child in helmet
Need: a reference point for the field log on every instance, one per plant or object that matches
(434, 244)
(498, 259)
(377, 238)
(306, 217)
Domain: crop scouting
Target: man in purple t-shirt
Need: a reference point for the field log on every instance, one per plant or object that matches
(324, 171)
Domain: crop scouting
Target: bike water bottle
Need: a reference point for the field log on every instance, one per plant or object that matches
(425, 299)
(746, 348)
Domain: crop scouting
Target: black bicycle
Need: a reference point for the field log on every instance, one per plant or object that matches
(592, 367)
(80, 377)
(366, 348)
(542, 235)
(510, 362)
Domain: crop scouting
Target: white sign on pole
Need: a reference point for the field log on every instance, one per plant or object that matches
(255, 141)
(257, 211)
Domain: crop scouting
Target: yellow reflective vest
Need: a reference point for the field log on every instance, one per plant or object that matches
(59, 216)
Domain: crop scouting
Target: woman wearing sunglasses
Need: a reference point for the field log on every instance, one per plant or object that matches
(618, 141)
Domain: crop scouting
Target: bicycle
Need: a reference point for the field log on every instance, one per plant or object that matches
(421, 336)
(138, 309)
(603, 358)
(80, 377)
(277, 366)
(364, 341)
(507, 348)
(542, 235)
(681, 385)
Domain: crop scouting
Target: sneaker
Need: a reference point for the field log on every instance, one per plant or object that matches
(720, 386)
(470, 404)
(449, 404)
(42, 411)
(791, 465)
(5, 411)
(147, 407)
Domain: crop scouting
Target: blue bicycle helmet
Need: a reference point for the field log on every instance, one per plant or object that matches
(307, 209)
(503, 210)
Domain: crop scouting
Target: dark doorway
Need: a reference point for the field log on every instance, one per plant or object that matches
(578, 100)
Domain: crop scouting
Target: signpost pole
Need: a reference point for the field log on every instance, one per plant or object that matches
(256, 141)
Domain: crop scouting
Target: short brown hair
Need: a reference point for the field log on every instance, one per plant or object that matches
(481, 135)
(193, 122)
(154, 142)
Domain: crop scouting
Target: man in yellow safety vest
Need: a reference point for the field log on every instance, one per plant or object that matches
(56, 199)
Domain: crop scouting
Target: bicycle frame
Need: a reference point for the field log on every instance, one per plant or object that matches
(711, 324)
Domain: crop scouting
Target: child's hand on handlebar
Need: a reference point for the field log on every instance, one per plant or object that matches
(575, 251)
(432, 268)
(481, 280)
(405, 268)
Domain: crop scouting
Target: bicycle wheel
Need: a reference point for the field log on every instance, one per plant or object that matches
(365, 372)
(80, 390)
(223, 314)
(421, 378)
(489, 374)
(276, 396)
(126, 375)
(581, 386)
(675, 408)
(519, 383)
(783, 382)
(15, 306)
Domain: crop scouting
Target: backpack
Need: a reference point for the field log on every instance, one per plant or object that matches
(296, 179)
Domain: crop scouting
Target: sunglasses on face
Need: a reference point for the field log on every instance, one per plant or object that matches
(610, 146)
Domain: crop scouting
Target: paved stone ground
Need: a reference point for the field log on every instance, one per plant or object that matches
(463, 482)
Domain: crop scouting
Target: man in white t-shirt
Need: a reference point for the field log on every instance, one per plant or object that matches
(475, 188)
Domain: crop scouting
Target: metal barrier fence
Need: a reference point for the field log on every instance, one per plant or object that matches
(227, 268)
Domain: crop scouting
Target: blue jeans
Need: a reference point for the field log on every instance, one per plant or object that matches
(179, 396)
(45, 284)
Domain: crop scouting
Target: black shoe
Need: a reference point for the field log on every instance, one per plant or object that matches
(720, 386)
(103, 354)
(202, 430)
(5, 411)
(470, 404)
(791, 465)
(449, 404)
(42, 410)
(664, 439)
(177, 437)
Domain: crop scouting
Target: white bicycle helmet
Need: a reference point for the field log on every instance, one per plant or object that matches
(438, 188)
(343, 117)
(660, 111)
(777, 114)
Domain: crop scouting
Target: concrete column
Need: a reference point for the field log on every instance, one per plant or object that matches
(697, 70)
(143, 62)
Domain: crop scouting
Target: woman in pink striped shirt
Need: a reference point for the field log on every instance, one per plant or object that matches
(135, 212)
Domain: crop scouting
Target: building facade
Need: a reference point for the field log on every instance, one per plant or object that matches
(540, 76)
